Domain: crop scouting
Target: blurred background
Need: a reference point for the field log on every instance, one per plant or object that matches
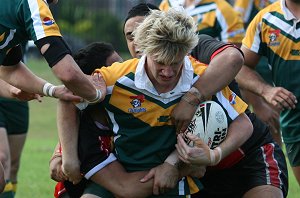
(82, 22)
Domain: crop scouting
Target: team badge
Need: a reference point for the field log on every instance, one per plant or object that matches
(48, 21)
(232, 98)
(273, 35)
(136, 103)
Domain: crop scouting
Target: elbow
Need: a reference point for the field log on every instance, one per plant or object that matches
(236, 58)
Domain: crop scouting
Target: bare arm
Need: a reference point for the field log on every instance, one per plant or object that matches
(238, 132)
(250, 80)
(73, 78)
(122, 183)
(21, 77)
(67, 125)
(218, 74)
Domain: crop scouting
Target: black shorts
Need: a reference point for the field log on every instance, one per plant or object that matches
(264, 165)
(94, 146)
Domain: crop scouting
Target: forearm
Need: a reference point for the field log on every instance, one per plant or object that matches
(220, 72)
(122, 183)
(250, 80)
(21, 77)
(238, 133)
(67, 125)
(73, 78)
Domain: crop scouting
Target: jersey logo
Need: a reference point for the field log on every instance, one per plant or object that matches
(136, 103)
(273, 35)
(232, 98)
(48, 21)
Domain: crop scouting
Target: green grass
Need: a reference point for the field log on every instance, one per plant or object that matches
(34, 180)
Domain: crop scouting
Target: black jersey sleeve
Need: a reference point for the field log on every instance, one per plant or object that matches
(208, 47)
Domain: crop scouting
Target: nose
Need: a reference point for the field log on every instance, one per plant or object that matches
(168, 71)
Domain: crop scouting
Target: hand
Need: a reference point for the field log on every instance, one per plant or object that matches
(165, 178)
(56, 172)
(71, 168)
(191, 170)
(183, 113)
(268, 115)
(199, 154)
(63, 93)
(279, 97)
(23, 95)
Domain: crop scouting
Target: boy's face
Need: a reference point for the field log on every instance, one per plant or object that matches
(164, 76)
(129, 27)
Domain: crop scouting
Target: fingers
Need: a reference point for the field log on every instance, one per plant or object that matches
(155, 189)
(147, 177)
(283, 99)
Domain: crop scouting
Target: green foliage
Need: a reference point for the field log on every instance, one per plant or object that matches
(90, 23)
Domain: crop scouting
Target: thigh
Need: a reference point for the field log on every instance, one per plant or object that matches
(265, 191)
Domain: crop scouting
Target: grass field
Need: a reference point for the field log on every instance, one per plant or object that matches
(34, 180)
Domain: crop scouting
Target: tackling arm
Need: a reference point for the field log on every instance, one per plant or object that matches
(238, 132)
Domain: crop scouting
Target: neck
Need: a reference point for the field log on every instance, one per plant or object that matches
(294, 7)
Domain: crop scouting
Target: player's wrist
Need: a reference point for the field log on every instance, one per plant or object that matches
(49, 90)
(97, 98)
(215, 156)
(195, 92)
(173, 159)
(190, 99)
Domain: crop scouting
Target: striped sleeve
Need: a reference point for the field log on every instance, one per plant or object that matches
(39, 21)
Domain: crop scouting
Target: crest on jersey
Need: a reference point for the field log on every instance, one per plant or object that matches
(273, 35)
(136, 103)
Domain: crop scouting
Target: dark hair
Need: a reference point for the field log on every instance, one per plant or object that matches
(93, 56)
(141, 9)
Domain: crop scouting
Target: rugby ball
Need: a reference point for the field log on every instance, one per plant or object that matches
(209, 123)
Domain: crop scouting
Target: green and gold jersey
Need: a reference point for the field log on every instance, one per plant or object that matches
(22, 20)
(275, 34)
(216, 18)
(249, 8)
(140, 117)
